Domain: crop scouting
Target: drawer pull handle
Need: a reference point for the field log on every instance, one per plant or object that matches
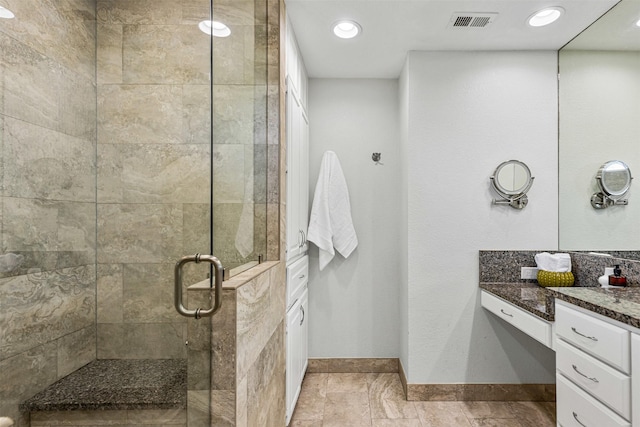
(575, 368)
(505, 313)
(583, 335)
(301, 276)
(577, 420)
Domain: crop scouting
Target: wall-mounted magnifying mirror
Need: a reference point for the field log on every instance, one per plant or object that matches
(511, 180)
(614, 179)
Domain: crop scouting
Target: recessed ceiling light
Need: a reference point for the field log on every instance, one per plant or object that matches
(346, 29)
(6, 13)
(215, 28)
(545, 16)
(638, 23)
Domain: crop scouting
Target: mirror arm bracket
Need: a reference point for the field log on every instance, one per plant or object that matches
(516, 201)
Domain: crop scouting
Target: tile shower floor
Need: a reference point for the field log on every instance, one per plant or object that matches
(377, 400)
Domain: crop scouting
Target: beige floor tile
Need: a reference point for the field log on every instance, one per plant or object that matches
(396, 423)
(551, 408)
(495, 422)
(386, 398)
(310, 405)
(315, 382)
(339, 383)
(305, 423)
(533, 414)
(346, 409)
(377, 400)
(478, 410)
(441, 414)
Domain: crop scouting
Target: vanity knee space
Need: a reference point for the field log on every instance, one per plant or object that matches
(596, 359)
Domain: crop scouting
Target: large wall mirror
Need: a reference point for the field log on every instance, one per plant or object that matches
(599, 108)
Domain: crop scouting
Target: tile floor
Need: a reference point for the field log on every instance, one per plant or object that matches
(377, 400)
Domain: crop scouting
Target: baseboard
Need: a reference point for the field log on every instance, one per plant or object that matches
(481, 392)
(353, 365)
(436, 392)
(477, 392)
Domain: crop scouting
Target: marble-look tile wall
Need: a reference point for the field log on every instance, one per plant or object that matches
(121, 418)
(246, 131)
(154, 153)
(47, 195)
(153, 170)
(248, 342)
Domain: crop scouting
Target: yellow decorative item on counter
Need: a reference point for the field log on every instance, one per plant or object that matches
(555, 279)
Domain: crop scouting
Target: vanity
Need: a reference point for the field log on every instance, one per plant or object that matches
(596, 336)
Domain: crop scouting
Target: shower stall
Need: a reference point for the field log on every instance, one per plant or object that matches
(132, 133)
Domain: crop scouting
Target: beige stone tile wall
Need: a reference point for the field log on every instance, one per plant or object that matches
(260, 350)
(152, 417)
(47, 195)
(153, 168)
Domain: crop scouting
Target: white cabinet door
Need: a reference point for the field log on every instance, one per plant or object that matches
(635, 379)
(297, 352)
(297, 176)
(294, 234)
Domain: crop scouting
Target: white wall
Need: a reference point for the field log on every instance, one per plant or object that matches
(467, 112)
(599, 113)
(354, 303)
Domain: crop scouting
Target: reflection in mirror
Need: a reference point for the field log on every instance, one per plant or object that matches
(599, 105)
(511, 180)
(614, 179)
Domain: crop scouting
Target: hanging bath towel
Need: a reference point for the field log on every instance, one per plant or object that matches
(331, 225)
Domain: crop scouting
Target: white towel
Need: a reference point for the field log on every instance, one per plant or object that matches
(330, 225)
(560, 263)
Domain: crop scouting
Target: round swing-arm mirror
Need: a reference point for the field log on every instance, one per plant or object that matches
(511, 180)
(614, 179)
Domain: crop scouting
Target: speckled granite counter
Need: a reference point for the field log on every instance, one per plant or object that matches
(116, 384)
(621, 304)
(529, 296)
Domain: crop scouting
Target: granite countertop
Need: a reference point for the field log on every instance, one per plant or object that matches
(116, 384)
(529, 296)
(621, 304)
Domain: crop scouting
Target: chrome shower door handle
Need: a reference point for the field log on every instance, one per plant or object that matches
(198, 312)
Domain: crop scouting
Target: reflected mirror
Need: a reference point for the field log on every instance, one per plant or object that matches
(615, 178)
(599, 106)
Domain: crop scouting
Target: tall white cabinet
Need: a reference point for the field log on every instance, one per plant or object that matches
(297, 132)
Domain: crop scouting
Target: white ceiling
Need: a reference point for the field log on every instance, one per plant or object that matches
(391, 28)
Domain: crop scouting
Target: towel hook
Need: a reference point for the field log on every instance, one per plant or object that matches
(376, 158)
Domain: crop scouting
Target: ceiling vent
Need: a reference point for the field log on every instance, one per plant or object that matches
(471, 20)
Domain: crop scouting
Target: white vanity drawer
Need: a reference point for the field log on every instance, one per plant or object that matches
(606, 384)
(528, 323)
(297, 279)
(575, 408)
(605, 341)
(635, 382)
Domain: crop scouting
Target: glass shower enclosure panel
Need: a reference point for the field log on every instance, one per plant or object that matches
(105, 139)
(154, 133)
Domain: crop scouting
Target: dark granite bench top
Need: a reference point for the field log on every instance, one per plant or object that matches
(116, 385)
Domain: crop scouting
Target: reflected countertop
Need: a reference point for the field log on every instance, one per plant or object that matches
(621, 304)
